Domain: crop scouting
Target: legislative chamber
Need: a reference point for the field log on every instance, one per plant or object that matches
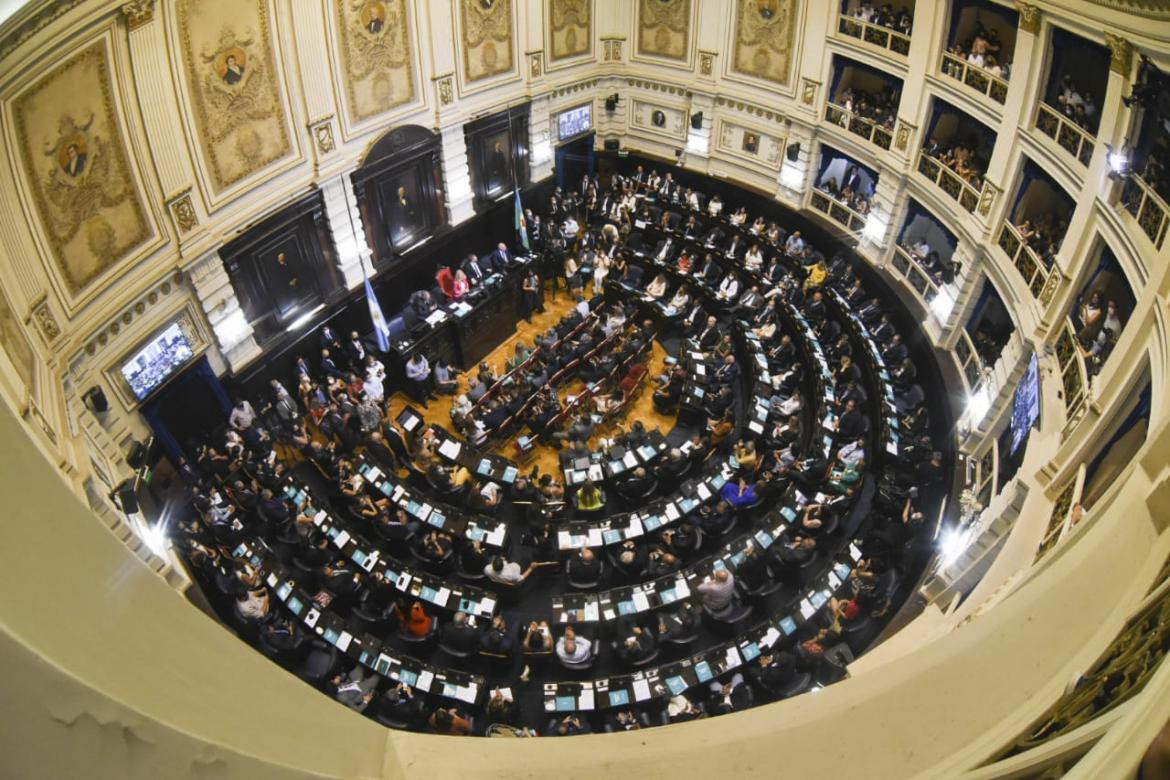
(779, 380)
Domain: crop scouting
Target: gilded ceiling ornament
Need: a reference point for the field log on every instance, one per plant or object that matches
(183, 212)
(1029, 17)
(376, 55)
(764, 38)
(663, 28)
(571, 28)
(1121, 54)
(138, 12)
(487, 38)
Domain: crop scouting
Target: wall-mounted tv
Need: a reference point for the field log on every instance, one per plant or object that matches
(152, 365)
(1026, 405)
(574, 121)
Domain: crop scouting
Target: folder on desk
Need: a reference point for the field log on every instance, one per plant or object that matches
(495, 537)
(807, 610)
(619, 697)
(343, 641)
(640, 601)
(641, 690)
(566, 703)
(672, 512)
(510, 474)
(487, 606)
(750, 651)
(626, 607)
(450, 449)
(424, 680)
(703, 491)
(770, 636)
(676, 685)
(703, 671)
(788, 626)
(591, 610)
(585, 700)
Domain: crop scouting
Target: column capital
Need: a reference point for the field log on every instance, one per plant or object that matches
(1120, 54)
(138, 13)
(1029, 17)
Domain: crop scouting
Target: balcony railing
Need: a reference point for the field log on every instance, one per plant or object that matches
(859, 125)
(976, 201)
(1068, 134)
(1041, 279)
(1063, 518)
(1146, 206)
(882, 37)
(836, 210)
(970, 362)
(979, 79)
(1074, 378)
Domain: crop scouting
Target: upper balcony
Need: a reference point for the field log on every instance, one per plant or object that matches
(864, 101)
(1069, 114)
(1033, 231)
(877, 25)
(980, 46)
(1146, 195)
(843, 190)
(955, 157)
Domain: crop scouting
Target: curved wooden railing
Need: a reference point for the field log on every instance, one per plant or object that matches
(1145, 205)
(836, 210)
(979, 79)
(858, 125)
(1041, 279)
(874, 34)
(1068, 134)
(972, 199)
(1074, 377)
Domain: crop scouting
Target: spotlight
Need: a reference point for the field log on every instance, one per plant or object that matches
(942, 304)
(1118, 160)
(697, 121)
(611, 102)
(793, 152)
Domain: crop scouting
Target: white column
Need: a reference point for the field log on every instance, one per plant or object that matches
(345, 225)
(699, 141)
(964, 288)
(540, 158)
(160, 117)
(218, 298)
(794, 174)
(456, 175)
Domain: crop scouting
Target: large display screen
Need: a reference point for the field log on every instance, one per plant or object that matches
(574, 121)
(151, 365)
(1026, 405)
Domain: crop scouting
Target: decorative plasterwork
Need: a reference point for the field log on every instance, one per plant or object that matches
(1029, 17)
(1120, 54)
(48, 14)
(42, 314)
(138, 13)
(377, 55)
(570, 29)
(808, 90)
(754, 110)
(445, 89)
(487, 38)
(664, 28)
(124, 318)
(903, 134)
(535, 64)
(182, 211)
(611, 49)
(322, 132)
(707, 62)
(764, 34)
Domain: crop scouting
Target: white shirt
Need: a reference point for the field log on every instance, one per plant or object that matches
(851, 453)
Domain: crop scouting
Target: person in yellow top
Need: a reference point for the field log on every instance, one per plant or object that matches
(589, 498)
(816, 276)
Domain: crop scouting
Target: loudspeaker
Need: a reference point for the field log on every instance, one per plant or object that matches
(95, 399)
(126, 498)
(793, 152)
(136, 456)
(697, 121)
(612, 144)
(611, 102)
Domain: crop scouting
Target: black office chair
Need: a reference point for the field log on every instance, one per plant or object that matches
(726, 621)
(454, 652)
(319, 664)
(376, 622)
(419, 643)
(799, 683)
(580, 582)
(640, 663)
(581, 666)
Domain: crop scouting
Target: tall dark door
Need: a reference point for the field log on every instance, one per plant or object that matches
(188, 409)
(575, 159)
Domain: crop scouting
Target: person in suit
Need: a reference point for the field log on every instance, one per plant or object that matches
(474, 270)
(664, 251)
(851, 423)
(74, 160)
(635, 645)
(422, 304)
(329, 367)
(459, 635)
(585, 566)
(502, 258)
(403, 213)
(355, 352)
(727, 373)
(356, 689)
(710, 335)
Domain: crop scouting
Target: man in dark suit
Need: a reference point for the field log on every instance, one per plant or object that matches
(474, 270)
(584, 566)
(328, 367)
(710, 335)
(355, 352)
(502, 258)
(851, 423)
(664, 251)
(728, 372)
(896, 352)
(379, 452)
(422, 304)
(458, 635)
(735, 248)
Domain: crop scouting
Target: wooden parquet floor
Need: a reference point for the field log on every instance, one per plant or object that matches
(546, 458)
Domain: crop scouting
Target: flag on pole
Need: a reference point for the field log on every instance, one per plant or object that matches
(521, 224)
(381, 330)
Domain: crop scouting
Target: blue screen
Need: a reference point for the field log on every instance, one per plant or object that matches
(1026, 404)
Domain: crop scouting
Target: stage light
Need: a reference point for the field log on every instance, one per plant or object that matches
(233, 328)
(875, 227)
(978, 404)
(952, 544)
(791, 176)
(1118, 160)
(942, 303)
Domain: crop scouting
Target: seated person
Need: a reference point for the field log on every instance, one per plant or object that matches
(459, 634)
(661, 563)
(630, 559)
(416, 622)
(573, 649)
(657, 287)
(536, 637)
(634, 645)
(683, 539)
(739, 493)
(496, 638)
(584, 566)
(435, 547)
(717, 591)
(450, 721)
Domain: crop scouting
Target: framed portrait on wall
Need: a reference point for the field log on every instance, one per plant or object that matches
(497, 162)
(405, 210)
(751, 143)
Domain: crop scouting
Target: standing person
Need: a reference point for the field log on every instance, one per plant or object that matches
(530, 295)
(418, 374)
(601, 265)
